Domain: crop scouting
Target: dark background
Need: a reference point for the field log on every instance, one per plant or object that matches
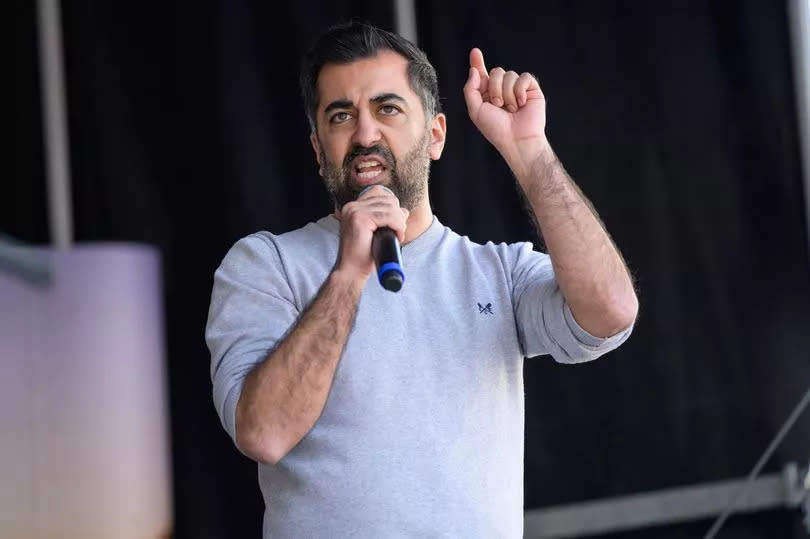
(677, 119)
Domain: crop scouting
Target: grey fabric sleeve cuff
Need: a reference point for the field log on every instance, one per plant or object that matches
(591, 341)
(229, 412)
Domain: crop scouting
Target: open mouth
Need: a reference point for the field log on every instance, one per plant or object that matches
(368, 169)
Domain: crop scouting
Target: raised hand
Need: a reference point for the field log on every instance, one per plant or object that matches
(508, 109)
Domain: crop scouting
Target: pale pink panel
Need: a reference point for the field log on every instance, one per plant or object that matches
(86, 399)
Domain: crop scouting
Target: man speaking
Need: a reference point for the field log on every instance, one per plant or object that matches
(374, 413)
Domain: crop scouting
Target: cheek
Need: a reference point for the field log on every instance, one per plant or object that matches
(406, 145)
(334, 151)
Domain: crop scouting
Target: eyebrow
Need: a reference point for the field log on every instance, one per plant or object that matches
(377, 99)
(339, 104)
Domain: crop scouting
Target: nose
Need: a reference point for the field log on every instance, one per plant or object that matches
(367, 132)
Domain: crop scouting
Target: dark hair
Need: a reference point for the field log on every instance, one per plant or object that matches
(346, 42)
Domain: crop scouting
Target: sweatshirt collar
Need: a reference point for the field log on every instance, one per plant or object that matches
(422, 243)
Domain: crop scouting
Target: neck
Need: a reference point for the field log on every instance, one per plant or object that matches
(419, 220)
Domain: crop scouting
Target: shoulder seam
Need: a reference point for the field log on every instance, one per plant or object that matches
(271, 242)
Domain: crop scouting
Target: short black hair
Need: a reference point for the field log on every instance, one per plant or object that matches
(354, 40)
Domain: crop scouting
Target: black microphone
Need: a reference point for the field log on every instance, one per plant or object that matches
(388, 259)
(387, 256)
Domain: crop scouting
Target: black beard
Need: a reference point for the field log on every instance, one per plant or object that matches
(408, 181)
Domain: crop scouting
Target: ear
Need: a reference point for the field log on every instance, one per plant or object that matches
(313, 138)
(438, 132)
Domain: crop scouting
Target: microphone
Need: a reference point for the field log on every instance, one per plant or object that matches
(388, 259)
(387, 256)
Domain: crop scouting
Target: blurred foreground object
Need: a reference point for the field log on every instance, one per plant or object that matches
(83, 399)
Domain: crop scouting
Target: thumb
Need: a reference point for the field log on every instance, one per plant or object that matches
(472, 94)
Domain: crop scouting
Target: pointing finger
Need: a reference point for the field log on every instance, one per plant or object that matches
(477, 61)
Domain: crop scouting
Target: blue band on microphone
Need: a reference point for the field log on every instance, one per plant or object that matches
(390, 266)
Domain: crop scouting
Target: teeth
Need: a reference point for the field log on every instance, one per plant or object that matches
(369, 175)
(366, 164)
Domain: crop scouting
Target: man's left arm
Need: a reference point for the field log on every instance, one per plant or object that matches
(510, 111)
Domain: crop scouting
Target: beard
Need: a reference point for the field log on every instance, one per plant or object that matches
(408, 179)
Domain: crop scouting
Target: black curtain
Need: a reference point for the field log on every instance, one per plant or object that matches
(677, 120)
(23, 205)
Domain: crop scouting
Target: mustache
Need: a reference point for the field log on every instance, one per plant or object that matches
(381, 151)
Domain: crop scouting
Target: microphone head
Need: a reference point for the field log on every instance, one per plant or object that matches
(367, 187)
(391, 276)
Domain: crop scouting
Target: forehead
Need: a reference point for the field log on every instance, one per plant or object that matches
(357, 81)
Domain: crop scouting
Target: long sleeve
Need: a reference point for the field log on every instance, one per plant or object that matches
(252, 307)
(544, 319)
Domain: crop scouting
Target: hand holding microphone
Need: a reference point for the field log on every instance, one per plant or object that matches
(372, 228)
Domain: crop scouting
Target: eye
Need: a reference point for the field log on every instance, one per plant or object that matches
(339, 117)
(389, 110)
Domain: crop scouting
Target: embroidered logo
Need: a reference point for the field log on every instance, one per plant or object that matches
(485, 309)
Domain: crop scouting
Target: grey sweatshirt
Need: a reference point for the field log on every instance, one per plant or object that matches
(422, 432)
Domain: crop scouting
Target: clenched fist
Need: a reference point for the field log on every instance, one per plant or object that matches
(509, 110)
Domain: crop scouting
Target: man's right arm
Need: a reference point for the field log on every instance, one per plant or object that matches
(284, 395)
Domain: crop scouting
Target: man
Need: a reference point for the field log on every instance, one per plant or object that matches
(378, 414)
